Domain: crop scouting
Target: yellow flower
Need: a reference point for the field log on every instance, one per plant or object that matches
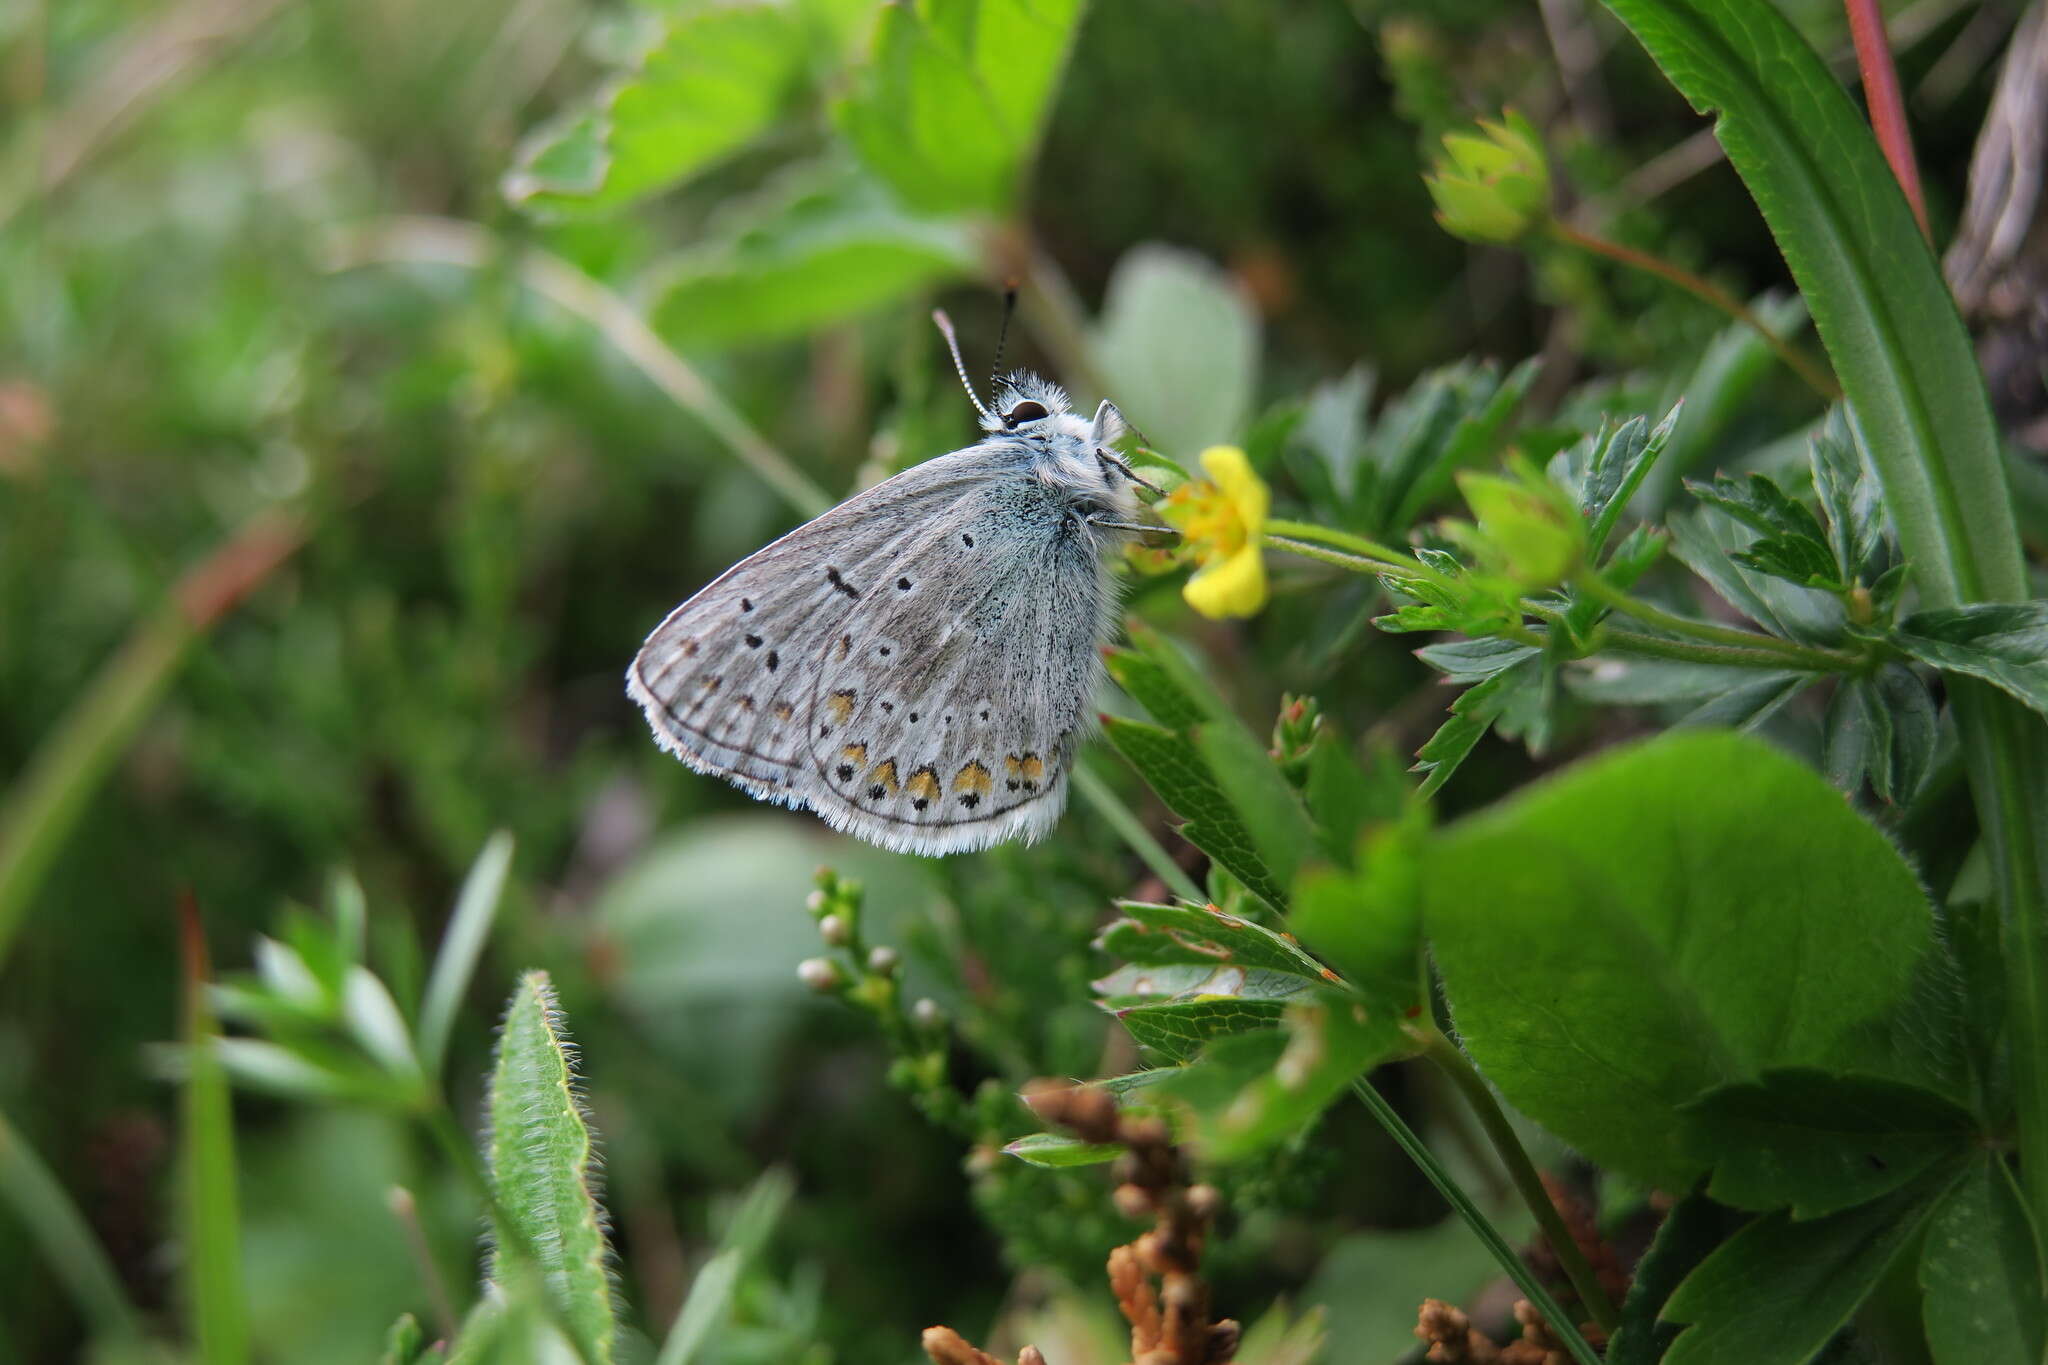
(1493, 185)
(1221, 519)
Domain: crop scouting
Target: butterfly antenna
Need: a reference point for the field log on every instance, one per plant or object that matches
(945, 325)
(995, 370)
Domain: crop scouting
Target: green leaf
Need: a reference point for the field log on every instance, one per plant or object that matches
(1175, 769)
(1775, 1292)
(1252, 1090)
(1603, 471)
(713, 82)
(1471, 661)
(1866, 271)
(1882, 727)
(1450, 419)
(948, 109)
(1850, 496)
(1792, 545)
(462, 943)
(1819, 1143)
(1652, 682)
(1472, 715)
(542, 1168)
(1269, 810)
(1368, 922)
(822, 244)
(1689, 1233)
(1748, 705)
(1709, 542)
(1162, 680)
(1178, 347)
(1056, 1151)
(1981, 1273)
(1160, 935)
(2005, 644)
(709, 1302)
(1178, 1029)
(1664, 919)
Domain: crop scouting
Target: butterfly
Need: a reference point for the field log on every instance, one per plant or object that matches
(916, 664)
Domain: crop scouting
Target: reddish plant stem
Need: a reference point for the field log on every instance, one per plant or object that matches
(1887, 107)
(1816, 378)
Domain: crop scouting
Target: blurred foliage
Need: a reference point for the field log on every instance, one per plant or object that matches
(215, 303)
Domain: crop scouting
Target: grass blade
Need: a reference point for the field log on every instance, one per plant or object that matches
(209, 1209)
(476, 906)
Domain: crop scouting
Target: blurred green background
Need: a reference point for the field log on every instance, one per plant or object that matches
(218, 295)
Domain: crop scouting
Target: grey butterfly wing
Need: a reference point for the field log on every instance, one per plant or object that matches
(954, 695)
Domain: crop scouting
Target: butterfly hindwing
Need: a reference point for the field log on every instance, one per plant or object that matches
(952, 697)
(730, 681)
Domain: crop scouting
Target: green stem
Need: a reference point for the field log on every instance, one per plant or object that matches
(1508, 1259)
(1453, 1063)
(1794, 655)
(1659, 647)
(1816, 378)
(1118, 816)
(1357, 545)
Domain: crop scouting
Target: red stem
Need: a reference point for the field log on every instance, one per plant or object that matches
(1887, 108)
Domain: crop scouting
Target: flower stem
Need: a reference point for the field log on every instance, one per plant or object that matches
(1509, 1261)
(1789, 653)
(1344, 540)
(1453, 1063)
(1887, 108)
(1818, 379)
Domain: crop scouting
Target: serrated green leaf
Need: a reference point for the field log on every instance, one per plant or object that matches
(1666, 938)
(542, 1169)
(1472, 715)
(1178, 1029)
(1748, 705)
(1603, 471)
(821, 244)
(1882, 727)
(1448, 420)
(1707, 542)
(2004, 643)
(1155, 688)
(1471, 661)
(1818, 1143)
(1777, 1290)
(1176, 771)
(1268, 809)
(1252, 1090)
(1056, 1151)
(1157, 935)
(1690, 1232)
(1981, 1273)
(1850, 497)
(716, 79)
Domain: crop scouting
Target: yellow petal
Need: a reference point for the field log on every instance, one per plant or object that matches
(1229, 587)
(1230, 471)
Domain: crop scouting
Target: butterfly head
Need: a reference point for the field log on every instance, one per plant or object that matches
(1025, 404)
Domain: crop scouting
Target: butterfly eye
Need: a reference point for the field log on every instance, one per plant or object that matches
(1026, 411)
